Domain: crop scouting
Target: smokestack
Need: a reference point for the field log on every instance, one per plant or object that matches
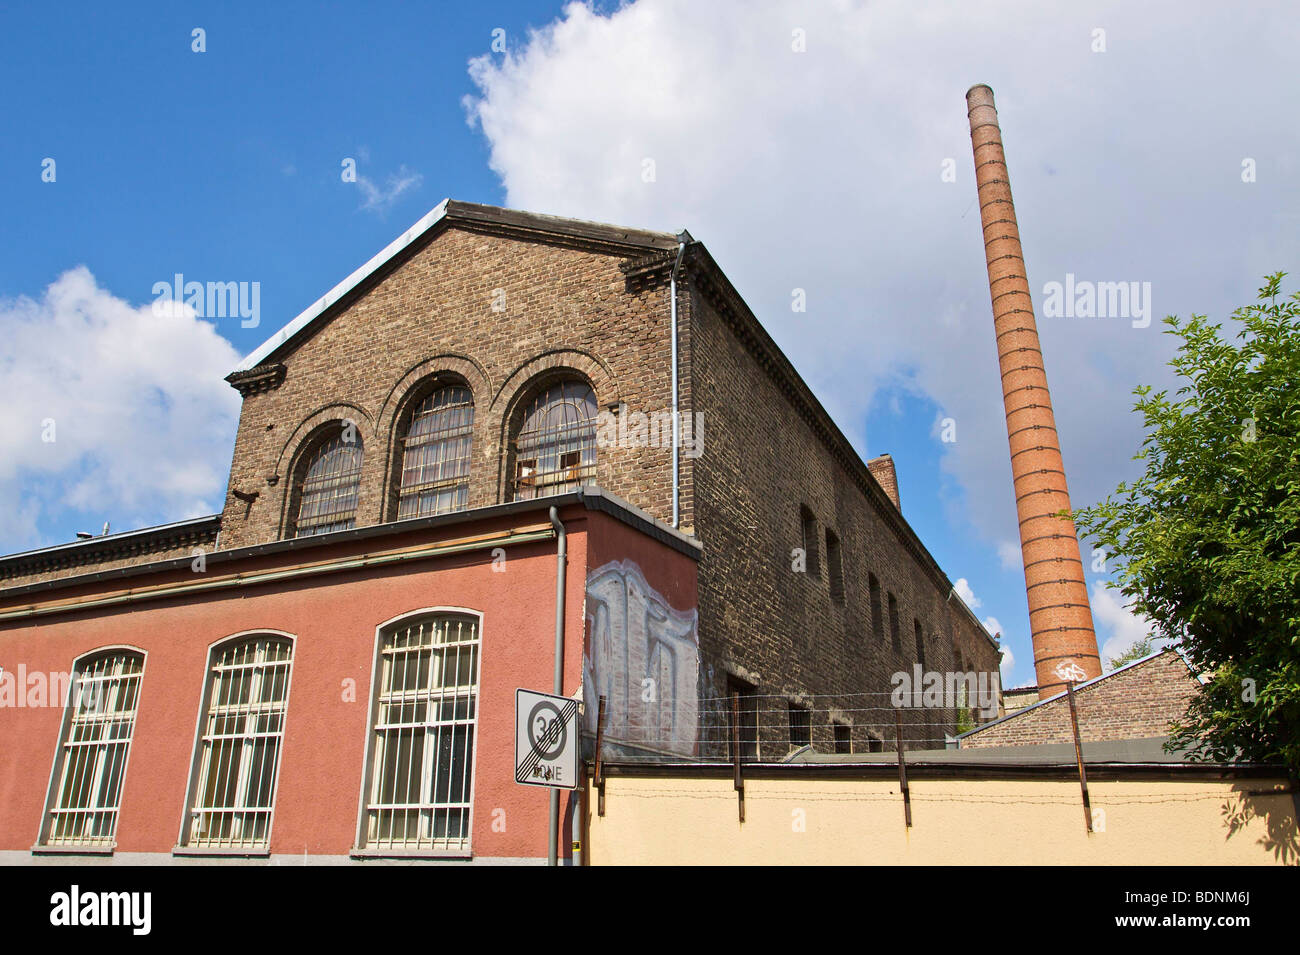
(1065, 645)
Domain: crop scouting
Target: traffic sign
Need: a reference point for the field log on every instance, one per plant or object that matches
(546, 740)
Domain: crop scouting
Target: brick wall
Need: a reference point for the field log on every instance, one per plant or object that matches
(564, 308)
(1135, 702)
(499, 308)
(760, 619)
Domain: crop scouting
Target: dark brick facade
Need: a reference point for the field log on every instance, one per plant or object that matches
(771, 453)
(503, 302)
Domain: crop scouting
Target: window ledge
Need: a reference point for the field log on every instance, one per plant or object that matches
(411, 853)
(40, 850)
(248, 853)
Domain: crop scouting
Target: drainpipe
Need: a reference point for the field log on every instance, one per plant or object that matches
(677, 421)
(557, 685)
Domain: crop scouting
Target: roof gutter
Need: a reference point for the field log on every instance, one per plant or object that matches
(677, 418)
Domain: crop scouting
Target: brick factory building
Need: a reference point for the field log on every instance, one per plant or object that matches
(327, 667)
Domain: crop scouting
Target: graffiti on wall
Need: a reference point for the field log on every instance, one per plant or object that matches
(644, 658)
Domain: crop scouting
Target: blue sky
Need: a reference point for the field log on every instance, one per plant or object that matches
(816, 168)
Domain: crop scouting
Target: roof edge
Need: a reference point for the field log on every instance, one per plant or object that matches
(471, 213)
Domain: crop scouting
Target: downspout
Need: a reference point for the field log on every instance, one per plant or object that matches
(557, 685)
(677, 421)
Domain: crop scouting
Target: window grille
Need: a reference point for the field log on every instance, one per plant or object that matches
(422, 751)
(331, 485)
(239, 756)
(436, 455)
(104, 695)
(556, 447)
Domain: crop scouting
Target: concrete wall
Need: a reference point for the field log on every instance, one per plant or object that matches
(681, 820)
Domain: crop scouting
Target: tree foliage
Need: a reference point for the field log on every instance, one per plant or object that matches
(1142, 648)
(1207, 540)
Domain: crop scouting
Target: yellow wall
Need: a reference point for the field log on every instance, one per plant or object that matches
(686, 821)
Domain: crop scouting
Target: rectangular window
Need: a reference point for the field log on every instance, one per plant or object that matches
(808, 529)
(834, 568)
(246, 698)
(920, 642)
(875, 744)
(748, 718)
(843, 739)
(800, 725)
(421, 754)
(893, 625)
(96, 742)
(877, 621)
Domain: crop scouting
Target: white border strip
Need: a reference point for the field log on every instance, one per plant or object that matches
(314, 310)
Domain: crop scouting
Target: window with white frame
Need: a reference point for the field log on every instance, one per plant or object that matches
(87, 784)
(238, 757)
(421, 754)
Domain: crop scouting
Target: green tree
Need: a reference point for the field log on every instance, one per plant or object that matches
(1207, 540)
(1142, 648)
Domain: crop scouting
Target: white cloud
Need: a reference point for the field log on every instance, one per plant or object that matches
(379, 199)
(1009, 555)
(1118, 627)
(964, 591)
(134, 399)
(822, 170)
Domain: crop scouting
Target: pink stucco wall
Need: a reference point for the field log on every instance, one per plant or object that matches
(333, 618)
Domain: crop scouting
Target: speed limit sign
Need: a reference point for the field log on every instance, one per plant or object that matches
(546, 740)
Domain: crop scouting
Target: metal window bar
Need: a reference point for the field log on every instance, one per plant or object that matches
(105, 693)
(248, 695)
(330, 487)
(436, 455)
(421, 766)
(555, 451)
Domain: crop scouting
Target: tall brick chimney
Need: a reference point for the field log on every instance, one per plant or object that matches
(1065, 645)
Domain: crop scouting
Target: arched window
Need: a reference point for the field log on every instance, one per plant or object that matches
(420, 770)
(556, 447)
(233, 787)
(331, 482)
(436, 454)
(86, 787)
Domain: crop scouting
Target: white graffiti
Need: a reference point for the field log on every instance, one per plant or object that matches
(1070, 671)
(644, 658)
